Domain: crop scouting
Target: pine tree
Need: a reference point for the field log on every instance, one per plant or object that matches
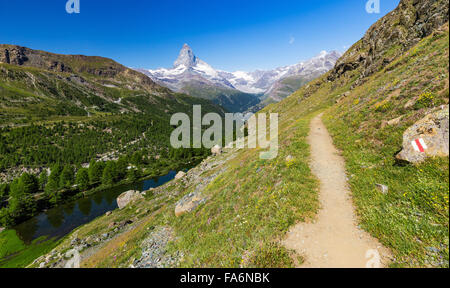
(121, 168)
(21, 203)
(55, 174)
(133, 174)
(67, 177)
(96, 171)
(52, 186)
(30, 183)
(43, 179)
(4, 190)
(109, 173)
(82, 179)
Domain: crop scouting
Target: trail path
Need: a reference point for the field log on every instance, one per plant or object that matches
(334, 239)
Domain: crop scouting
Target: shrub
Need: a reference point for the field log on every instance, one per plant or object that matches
(272, 255)
(383, 106)
(425, 101)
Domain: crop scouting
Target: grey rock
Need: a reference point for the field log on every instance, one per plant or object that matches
(128, 197)
(383, 188)
(75, 241)
(180, 175)
(189, 203)
(154, 250)
(433, 129)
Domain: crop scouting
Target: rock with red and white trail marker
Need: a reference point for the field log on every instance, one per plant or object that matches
(427, 138)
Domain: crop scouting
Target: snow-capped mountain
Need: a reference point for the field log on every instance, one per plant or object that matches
(270, 82)
(187, 68)
(193, 76)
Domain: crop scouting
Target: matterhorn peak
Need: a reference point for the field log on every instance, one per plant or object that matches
(186, 57)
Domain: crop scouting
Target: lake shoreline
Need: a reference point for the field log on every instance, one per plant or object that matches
(30, 242)
(71, 195)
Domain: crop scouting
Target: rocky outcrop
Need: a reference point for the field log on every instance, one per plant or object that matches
(154, 250)
(427, 138)
(14, 55)
(58, 67)
(4, 56)
(94, 65)
(189, 203)
(128, 197)
(392, 35)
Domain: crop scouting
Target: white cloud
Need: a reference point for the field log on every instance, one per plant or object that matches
(291, 40)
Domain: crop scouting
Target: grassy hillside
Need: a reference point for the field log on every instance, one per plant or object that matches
(250, 204)
(70, 110)
(413, 217)
(89, 104)
(37, 85)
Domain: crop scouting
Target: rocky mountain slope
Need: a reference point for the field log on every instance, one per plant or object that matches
(195, 77)
(392, 36)
(279, 83)
(238, 207)
(81, 82)
(238, 91)
(40, 91)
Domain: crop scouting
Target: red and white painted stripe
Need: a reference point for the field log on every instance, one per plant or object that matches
(419, 145)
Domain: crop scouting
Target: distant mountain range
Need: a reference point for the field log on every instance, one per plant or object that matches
(239, 91)
(40, 85)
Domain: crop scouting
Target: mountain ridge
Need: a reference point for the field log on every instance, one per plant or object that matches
(95, 79)
(189, 70)
(47, 88)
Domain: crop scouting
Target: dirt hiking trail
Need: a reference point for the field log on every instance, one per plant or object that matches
(334, 239)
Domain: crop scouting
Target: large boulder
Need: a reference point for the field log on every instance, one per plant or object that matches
(180, 175)
(128, 197)
(189, 203)
(427, 138)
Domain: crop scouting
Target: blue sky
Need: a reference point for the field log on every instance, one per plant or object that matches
(228, 34)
